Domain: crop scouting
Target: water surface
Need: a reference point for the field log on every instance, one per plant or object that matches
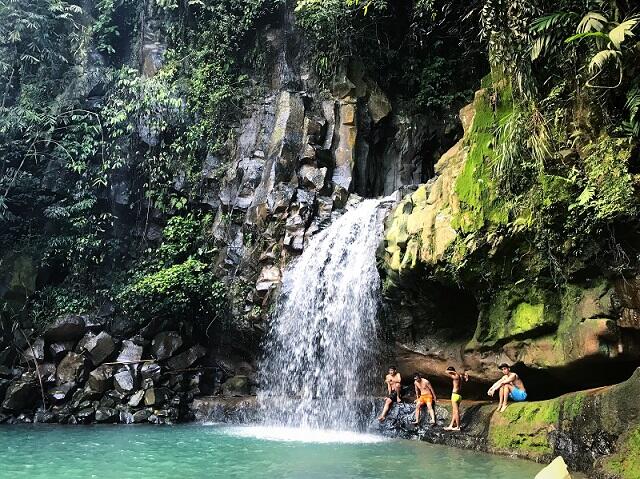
(190, 451)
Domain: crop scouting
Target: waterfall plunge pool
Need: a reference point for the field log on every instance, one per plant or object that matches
(220, 451)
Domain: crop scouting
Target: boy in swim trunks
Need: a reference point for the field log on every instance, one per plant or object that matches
(510, 386)
(456, 397)
(425, 395)
(393, 381)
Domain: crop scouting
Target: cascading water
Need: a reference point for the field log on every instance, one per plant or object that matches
(321, 347)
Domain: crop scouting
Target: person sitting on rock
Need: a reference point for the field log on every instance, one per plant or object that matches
(510, 386)
(393, 381)
(425, 395)
(456, 397)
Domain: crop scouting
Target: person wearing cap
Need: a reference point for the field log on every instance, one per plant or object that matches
(456, 397)
(510, 386)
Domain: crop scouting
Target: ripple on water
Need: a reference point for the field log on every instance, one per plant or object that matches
(290, 434)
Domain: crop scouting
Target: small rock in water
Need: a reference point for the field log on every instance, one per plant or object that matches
(556, 470)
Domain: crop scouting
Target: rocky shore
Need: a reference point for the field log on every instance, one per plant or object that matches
(80, 372)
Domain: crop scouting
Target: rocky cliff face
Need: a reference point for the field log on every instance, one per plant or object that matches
(299, 155)
(467, 287)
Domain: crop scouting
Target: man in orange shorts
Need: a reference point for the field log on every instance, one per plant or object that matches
(425, 395)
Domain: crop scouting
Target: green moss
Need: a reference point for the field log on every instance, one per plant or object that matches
(524, 428)
(626, 462)
(475, 187)
(572, 405)
(514, 311)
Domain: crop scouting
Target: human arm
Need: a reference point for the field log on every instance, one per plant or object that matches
(502, 381)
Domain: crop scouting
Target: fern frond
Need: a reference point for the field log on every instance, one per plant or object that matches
(592, 22)
(600, 59)
(623, 31)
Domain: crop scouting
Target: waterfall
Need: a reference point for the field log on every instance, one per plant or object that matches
(320, 350)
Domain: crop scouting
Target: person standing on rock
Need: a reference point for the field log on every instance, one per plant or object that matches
(393, 381)
(456, 397)
(510, 386)
(425, 395)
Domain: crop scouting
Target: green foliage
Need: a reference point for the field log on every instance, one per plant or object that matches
(186, 290)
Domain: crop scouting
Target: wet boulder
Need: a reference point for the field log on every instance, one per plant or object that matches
(43, 416)
(47, 372)
(141, 416)
(100, 380)
(124, 380)
(130, 352)
(150, 371)
(136, 398)
(97, 346)
(73, 368)
(62, 392)
(236, 386)
(85, 415)
(156, 396)
(58, 350)
(34, 351)
(165, 344)
(187, 358)
(21, 396)
(106, 414)
(65, 328)
(125, 417)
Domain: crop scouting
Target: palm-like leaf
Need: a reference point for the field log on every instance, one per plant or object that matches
(623, 31)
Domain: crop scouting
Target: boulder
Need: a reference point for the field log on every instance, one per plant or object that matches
(141, 416)
(379, 105)
(61, 392)
(47, 372)
(236, 386)
(65, 328)
(98, 347)
(124, 380)
(59, 349)
(556, 470)
(125, 417)
(106, 414)
(20, 396)
(73, 368)
(130, 352)
(100, 380)
(44, 416)
(268, 279)
(156, 396)
(136, 398)
(35, 352)
(186, 359)
(312, 177)
(85, 415)
(150, 371)
(165, 344)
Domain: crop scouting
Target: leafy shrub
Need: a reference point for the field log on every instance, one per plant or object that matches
(187, 290)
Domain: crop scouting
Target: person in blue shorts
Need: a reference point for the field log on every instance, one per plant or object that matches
(510, 386)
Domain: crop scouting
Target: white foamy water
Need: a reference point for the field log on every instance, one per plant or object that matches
(292, 434)
(322, 341)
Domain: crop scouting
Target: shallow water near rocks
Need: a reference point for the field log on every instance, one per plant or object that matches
(217, 451)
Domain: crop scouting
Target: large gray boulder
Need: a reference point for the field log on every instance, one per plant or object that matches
(100, 380)
(141, 416)
(21, 396)
(156, 396)
(165, 344)
(130, 352)
(186, 359)
(124, 380)
(62, 392)
(65, 328)
(97, 346)
(73, 368)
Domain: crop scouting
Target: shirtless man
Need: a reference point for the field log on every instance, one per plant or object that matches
(393, 381)
(425, 395)
(510, 386)
(456, 397)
